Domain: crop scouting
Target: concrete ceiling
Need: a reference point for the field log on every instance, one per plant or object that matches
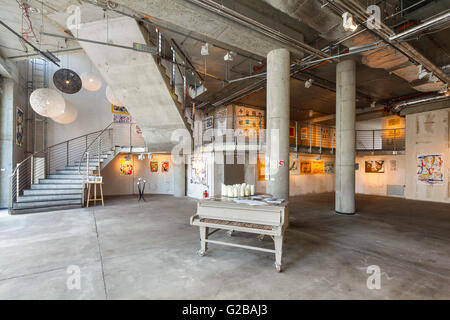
(190, 26)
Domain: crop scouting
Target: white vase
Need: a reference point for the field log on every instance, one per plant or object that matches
(252, 189)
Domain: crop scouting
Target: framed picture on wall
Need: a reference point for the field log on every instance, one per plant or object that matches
(165, 166)
(154, 166)
(20, 123)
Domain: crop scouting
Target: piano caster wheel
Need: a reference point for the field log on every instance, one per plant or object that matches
(278, 267)
(201, 253)
(260, 237)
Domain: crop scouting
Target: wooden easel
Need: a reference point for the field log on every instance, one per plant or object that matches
(95, 199)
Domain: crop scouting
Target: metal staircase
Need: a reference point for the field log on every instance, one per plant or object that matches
(55, 179)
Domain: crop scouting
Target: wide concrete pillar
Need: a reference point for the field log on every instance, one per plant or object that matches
(345, 136)
(277, 134)
(179, 179)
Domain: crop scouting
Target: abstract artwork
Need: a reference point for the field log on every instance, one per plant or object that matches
(374, 166)
(165, 166)
(209, 122)
(126, 166)
(198, 171)
(430, 169)
(19, 126)
(154, 166)
(329, 167)
(293, 166)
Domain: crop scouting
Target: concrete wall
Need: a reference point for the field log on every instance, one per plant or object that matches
(157, 182)
(427, 133)
(94, 110)
(376, 183)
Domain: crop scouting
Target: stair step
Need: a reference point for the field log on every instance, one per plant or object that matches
(81, 168)
(70, 172)
(46, 209)
(60, 181)
(41, 204)
(51, 197)
(37, 192)
(65, 176)
(57, 186)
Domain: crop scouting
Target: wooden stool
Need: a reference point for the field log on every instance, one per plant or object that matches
(95, 199)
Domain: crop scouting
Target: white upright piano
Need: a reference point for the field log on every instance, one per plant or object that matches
(225, 214)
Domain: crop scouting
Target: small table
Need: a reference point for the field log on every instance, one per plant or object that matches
(95, 199)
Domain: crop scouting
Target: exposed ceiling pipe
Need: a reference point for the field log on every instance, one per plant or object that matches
(400, 106)
(421, 27)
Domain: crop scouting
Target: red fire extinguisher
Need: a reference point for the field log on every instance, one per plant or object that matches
(205, 194)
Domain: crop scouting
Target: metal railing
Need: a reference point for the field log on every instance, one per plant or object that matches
(380, 140)
(82, 151)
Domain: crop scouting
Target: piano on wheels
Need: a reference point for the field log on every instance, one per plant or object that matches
(244, 215)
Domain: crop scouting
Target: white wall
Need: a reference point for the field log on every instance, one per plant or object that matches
(376, 183)
(157, 182)
(427, 133)
(94, 110)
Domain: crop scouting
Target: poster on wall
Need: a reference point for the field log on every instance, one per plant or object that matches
(209, 122)
(248, 120)
(20, 122)
(430, 169)
(154, 166)
(374, 166)
(165, 166)
(393, 165)
(329, 167)
(356, 166)
(198, 171)
(120, 114)
(305, 167)
(261, 167)
(293, 166)
(126, 166)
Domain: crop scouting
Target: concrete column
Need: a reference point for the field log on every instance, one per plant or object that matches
(345, 136)
(179, 179)
(277, 135)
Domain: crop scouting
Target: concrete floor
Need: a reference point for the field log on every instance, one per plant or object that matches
(131, 250)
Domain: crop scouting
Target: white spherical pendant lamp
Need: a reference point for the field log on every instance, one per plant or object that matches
(47, 102)
(69, 115)
(91, 81)
(112, 97)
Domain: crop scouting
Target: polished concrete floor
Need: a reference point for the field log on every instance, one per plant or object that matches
(131, 250)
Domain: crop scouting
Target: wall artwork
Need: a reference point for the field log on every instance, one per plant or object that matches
(198, 171)
(393, 165)
(120, 114)
(329, 167)
(20, 122)
(165, 166)
(209, 122)
(312, 167)
(293, 166)
(356, 166)
(154, 166)
(261, 168)
(430, 169)
(374, 166)
(126, 166)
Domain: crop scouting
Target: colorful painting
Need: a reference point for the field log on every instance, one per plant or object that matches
(374, 166)
(198, 171)
(291, 132)
(209, 122)
(20, 123)
(430, 169)
(261, 167)
(303, 133)
(317, 167)
(305, 167)
(126, 166)
(293, 166)
(165, 166)
(154, 166)
(329, 168)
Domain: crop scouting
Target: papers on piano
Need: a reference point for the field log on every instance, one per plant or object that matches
(251, 202)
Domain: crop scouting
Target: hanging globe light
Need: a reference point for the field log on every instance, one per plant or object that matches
(47, 102)
(70, 114)
(91, 81)
(112, 97)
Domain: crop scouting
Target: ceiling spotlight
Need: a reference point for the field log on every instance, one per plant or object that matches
(311, 113)
(373, 104)
(308, 83)
(422, 73)
(229, 56)
(205, 49)
(348, 23)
